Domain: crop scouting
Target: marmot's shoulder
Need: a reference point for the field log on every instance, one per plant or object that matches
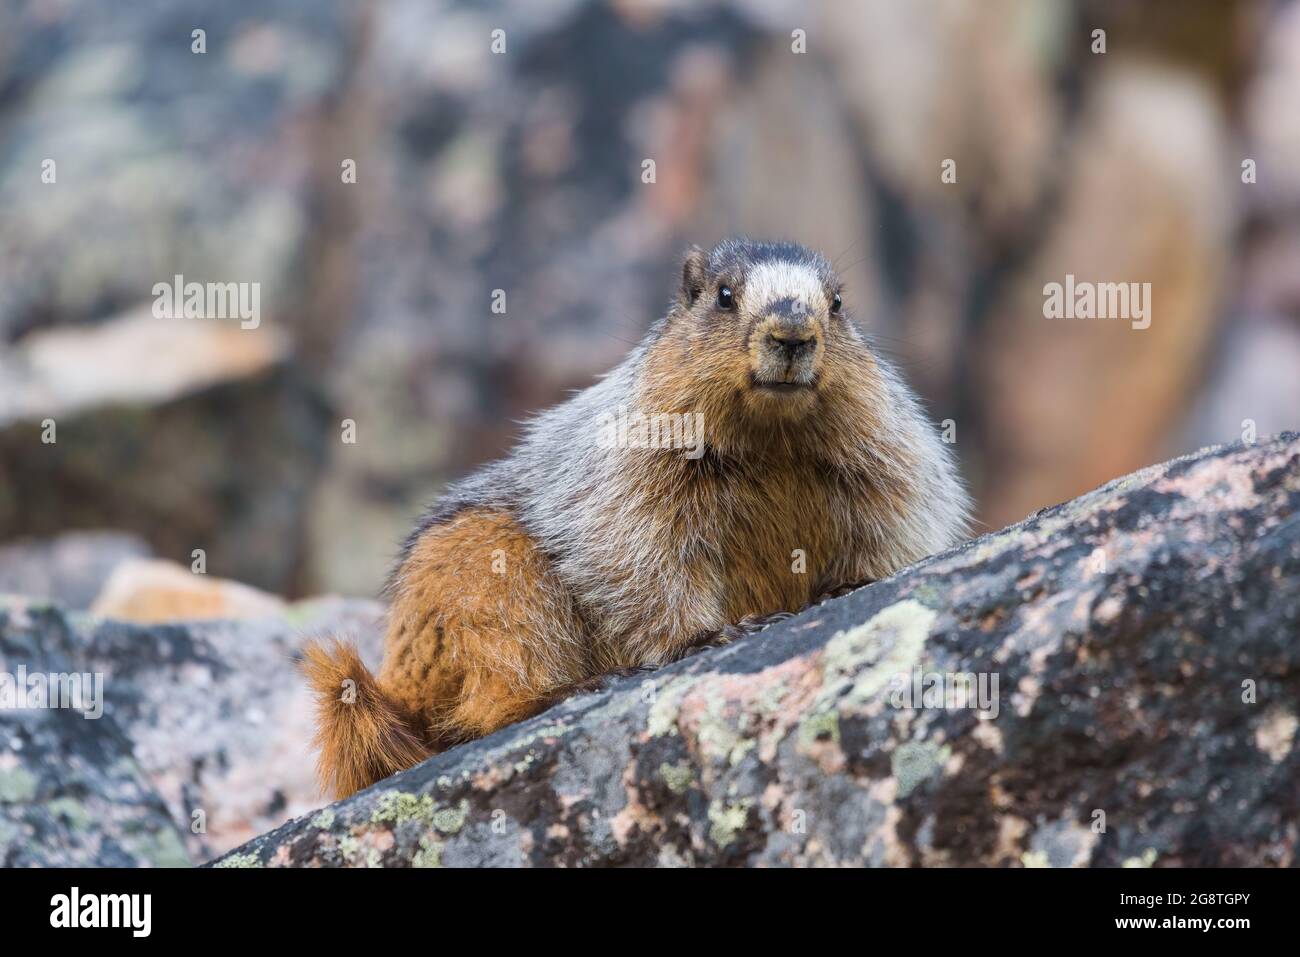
(556, 451)
(492, 486)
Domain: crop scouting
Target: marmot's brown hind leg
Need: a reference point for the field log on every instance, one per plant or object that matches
(482, 632)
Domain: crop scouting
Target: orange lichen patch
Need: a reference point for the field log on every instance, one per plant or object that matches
(634, 817)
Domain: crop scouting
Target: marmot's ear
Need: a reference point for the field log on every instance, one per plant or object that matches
(695, 273)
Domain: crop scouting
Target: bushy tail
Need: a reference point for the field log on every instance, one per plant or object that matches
(363, 735)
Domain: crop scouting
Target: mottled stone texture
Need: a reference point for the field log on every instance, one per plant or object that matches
(202, 744)
(1144, 637)
(71, 791)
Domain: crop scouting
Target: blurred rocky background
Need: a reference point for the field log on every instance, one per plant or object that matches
(386, 172)
(522, 171)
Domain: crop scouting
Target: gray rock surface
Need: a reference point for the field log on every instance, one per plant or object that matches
(204, 740)
(69, 569)
(71, 791)
(1144, 642)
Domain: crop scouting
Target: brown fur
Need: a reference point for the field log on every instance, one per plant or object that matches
(480, 635)
(563, 563)
(362, 739)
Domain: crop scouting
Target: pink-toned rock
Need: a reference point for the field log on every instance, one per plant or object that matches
(151, 590)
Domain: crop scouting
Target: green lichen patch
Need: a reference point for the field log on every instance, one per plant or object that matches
(872, 654)
(324, 820)
(429, 854)
(678, 777)
(726, 820)
(72, 811)
(17, 785)
(398, 807)
(664, 710)
(349, 847)
(449, 820)
(914, 762)
(717, 737)
(819, 726)
(1147, 859)
(161, 849)
(239, 860)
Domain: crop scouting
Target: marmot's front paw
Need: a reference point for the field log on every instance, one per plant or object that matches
(839, 591)
(602, 682)
(729, 633)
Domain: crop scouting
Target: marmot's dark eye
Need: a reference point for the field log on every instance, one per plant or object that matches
(836, 305)
(726, 298)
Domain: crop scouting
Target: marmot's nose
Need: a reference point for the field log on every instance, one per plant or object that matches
(791, 343)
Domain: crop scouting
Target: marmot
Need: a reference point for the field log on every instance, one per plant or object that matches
(585, 551)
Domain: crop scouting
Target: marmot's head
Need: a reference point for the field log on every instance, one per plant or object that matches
(759, 330)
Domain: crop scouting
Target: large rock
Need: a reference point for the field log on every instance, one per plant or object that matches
(204, 740)
(1144, 642)
(193, 433)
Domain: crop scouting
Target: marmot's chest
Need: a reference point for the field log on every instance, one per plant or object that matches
(778, 534)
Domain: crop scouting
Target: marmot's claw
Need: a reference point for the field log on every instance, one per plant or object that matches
(602, 681)
(839, 591)
(729, 633)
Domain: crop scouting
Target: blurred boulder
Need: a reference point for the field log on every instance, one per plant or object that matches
(147, 591)
(1113, 682)
(68, 569)
(139, 144)
(1064, 403)
(195, 434)
(165, 158)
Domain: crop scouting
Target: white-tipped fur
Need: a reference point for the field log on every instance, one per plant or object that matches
(644, 545)
(618, 540)
(779, 278)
